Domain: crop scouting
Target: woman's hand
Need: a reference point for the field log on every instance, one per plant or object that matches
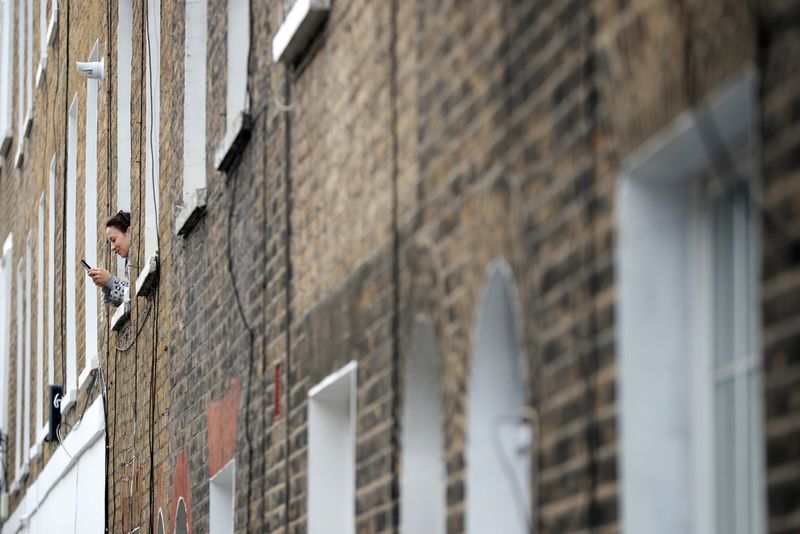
(100, 277)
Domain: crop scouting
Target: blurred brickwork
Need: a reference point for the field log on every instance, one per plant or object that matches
(412, 144)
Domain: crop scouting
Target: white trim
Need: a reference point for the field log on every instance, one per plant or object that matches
(332, 378)
(221, 494)
(71, 261)
(121, 314)
(68, 400)
(87, 431)
(148, 278)
(298, 28)
(90, 292)
(87, 372)
(40, 404)
(52, 26)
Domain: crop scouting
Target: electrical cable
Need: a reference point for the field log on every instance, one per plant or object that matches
(251, 336)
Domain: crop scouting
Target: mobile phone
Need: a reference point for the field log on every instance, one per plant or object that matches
(85, 264)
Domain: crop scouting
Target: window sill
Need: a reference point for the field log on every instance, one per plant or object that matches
(298, 28)
(148, 279)
(20, 155)
(69, 400)
(5, 142)
(36, 451)
(191, 212)
(234, 142)
(86, 374)
(121, 315)
(40, 70)
(28, 123)
(52, 26)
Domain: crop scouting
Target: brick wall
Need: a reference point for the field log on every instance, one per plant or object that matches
(414, 143)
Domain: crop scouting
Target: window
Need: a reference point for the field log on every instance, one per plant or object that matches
(51, 26)
(181, 520)
(194, 117)
(29, 66)
(6, 74)
(497, 501)
(71, 380)
(90, 226)
(303, 19)
(222, 492)
(332, 453)
(237, 118)
(688, 334)
(42, 42)
(20, 83)
(40, 404)
(51, 274)
(423, 477)
(19, 471)
(6, 268)
(27, 412)
(147, 278)
(124, 70)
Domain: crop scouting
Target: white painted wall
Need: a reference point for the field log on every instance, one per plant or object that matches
(194, 101)
(68, 496)
(423, 476)
(221, 496)
(496, 390)
(331, 453)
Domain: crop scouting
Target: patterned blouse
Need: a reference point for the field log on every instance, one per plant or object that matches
(114, 292)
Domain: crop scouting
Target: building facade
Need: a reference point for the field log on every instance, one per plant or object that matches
(402, 266)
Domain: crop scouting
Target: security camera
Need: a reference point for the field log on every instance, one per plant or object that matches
(92, 70)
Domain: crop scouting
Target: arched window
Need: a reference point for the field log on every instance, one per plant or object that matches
(498, 443)
(181, 523)
(423, 498)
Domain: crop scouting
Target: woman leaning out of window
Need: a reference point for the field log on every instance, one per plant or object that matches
(118, 231)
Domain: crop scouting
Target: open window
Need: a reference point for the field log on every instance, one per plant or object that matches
(6, 269)
(332, 453)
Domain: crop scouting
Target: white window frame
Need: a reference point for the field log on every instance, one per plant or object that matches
(665, 327)
(71, 380)
(423, 473)
(91, 307)
(6, 286)
(146, 282)
(222, 500)
(298, 28)
(237, 94)
(51, 276)
(6, 75)
(332, 452)
(21, 120)
(36, 451)
(42, 42)
(27, 411)
(52, 25)
(30, 73)
(20, 468)
(124, 71)
(194, 117)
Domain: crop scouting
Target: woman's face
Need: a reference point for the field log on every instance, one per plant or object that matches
(120, 241)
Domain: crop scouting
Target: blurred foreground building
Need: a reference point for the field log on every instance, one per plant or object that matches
(402, 266)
